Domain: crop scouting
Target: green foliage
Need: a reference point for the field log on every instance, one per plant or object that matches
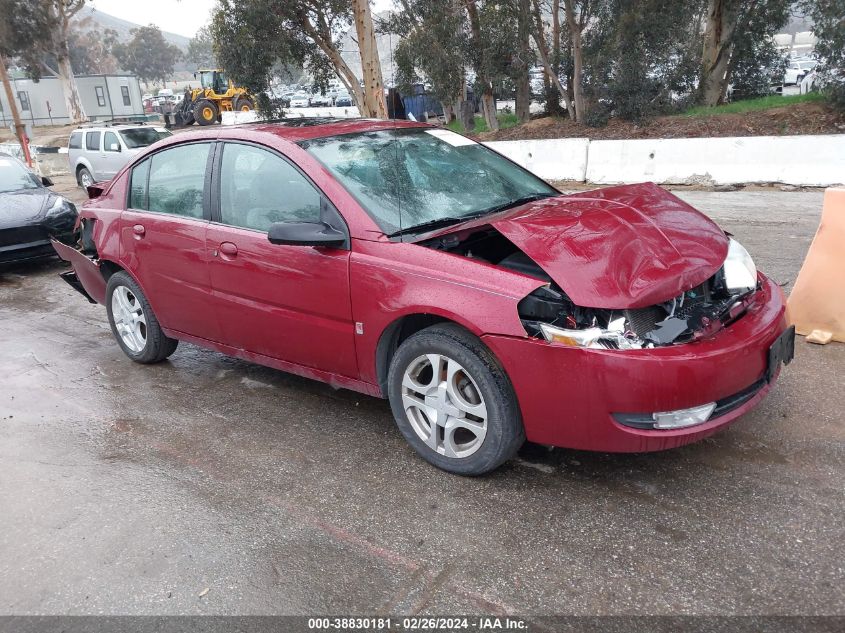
(506, 120)
(639, 56)
(252, 39)
(200, 52)
(829, 27)
(756, 63)
(147, 54)
(752, 105)
(26, 30)
(432, 48)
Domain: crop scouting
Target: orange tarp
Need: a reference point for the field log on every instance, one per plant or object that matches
(817, 301)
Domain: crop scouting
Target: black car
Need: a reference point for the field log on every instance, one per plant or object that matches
(30, 214)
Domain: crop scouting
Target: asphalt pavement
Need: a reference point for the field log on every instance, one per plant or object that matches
(207, 485)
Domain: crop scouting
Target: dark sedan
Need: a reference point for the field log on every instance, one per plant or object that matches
(30, 214)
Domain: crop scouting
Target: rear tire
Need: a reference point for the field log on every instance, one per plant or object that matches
(205, 112)
(465, 419)
(243, 103)
(84, 178)
(133, 323)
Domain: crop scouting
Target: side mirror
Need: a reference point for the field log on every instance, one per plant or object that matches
(46, 181)
(305, 234)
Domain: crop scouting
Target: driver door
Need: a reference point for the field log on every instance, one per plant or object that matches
(290, 303)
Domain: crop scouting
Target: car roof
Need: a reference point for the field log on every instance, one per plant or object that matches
(114, 126)
(306, 128)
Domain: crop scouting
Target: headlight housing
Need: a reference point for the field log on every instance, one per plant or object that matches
(739, 269)
(592, 338)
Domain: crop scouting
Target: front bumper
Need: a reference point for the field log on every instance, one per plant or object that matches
(16, 253)
(568, 396)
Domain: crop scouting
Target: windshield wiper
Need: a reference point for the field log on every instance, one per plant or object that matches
(440, 222)
(517, 202)
(435, 224)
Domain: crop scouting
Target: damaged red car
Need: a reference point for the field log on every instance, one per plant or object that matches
(414, 264)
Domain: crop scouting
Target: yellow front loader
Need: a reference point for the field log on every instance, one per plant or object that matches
(217, 94)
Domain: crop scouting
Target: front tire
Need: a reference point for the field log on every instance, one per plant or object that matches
(205, 112)
(133, 323)
(453, 402)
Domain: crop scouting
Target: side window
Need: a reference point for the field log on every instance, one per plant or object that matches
(101, 96)
(258, 188)
(110, 142)
(124, 91)
(177, 179)
(138, 186)
(92, 141)
(75, 141)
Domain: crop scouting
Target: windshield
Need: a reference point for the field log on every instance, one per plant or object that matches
(14, 176)
(142, 136)
(417, 177)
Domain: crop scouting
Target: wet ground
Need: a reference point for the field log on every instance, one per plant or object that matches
(209, 485)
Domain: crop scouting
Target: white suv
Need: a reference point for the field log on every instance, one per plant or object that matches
(98, 152)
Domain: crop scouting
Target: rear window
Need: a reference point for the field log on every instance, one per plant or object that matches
(92, 140)
(75, 141)
(142, 136)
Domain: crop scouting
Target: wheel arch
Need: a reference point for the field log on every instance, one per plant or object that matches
(400, 329)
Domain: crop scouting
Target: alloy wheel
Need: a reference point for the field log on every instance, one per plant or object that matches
(129, 319)
(444, 405)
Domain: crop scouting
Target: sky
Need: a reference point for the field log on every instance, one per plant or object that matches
(184, 17)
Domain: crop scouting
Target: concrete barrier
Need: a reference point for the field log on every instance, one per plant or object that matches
(816, 161)
(551, 159)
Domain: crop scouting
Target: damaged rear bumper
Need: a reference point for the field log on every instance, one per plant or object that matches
(572, 397)
(85, 277)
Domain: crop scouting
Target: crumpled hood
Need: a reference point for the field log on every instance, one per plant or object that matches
(623, 247)
(24, 206)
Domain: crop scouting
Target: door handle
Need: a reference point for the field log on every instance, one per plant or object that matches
(139, 231)
(229, 249)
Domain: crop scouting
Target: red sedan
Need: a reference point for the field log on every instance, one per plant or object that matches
(411, 263)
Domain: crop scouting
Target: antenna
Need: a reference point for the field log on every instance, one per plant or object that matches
(395, 127)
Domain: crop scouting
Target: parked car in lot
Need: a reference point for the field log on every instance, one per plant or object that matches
(30, 214)
(797, 69)
(300, 101)
(411, 263)
(97, 153)
(343, 100)
(321, 100)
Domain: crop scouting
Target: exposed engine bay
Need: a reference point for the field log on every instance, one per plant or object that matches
(549, 313)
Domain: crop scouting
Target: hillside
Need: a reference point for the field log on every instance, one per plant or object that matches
(93, 19)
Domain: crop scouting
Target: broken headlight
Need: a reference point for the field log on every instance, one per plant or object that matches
(739, 269)
(614, 337)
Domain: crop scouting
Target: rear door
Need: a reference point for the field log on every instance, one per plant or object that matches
(93, 152)
(162, 236)
(112, 156)
(288, 302)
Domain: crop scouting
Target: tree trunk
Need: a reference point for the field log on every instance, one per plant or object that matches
(488, 108)
(343, 71)
(73, 102)
(488, 103)
(20, 129)
(577, 60)
(721, 21)
(543, 49)
(523, 84)
(370, 63)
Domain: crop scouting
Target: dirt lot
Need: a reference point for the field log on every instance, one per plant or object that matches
(801, 118)
(209, 485)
